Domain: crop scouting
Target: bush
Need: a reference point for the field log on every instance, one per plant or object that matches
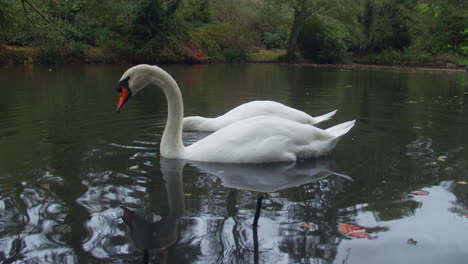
(235, 55)
(407, 57)
(222, 42)
(322, 43)
(275, 40)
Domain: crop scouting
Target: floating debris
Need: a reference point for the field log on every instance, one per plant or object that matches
(188, 194)
(462, 182)
(354, 231)
(412, 102)
(136, 167)
(310, 226)
(420, 192)
(412, 241)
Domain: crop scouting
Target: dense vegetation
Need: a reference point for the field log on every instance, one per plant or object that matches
(402, 32)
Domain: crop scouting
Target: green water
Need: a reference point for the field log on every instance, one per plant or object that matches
(68, 163)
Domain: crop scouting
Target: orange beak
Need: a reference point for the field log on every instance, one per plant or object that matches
(124, 96)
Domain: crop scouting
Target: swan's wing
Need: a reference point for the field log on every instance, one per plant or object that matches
(261, 139)
(267, 108)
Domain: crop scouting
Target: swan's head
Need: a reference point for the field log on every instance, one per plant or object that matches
(132, 81)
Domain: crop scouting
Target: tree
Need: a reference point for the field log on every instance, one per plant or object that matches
(384, 26)
(302, 10)
(440, 26)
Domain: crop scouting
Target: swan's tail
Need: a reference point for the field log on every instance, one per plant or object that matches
(324, 117)
(338, 131)
(341, 129)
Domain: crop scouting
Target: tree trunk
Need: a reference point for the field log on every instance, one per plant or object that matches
(299, 19)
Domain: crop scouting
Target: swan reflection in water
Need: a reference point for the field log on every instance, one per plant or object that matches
(271, 177)
(150, 236)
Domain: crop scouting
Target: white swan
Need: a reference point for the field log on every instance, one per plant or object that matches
(251, 109)
(257, 139)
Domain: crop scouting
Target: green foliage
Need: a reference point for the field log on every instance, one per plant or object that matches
(441, 26)
(402, 32)
(275, 40)
(223, 41)
(322, 43)
(197, 12)
(235, 55)
(407, 58)
(207, 38)
(266, 55)
(11, 22)
(151, 19)
(384, 26)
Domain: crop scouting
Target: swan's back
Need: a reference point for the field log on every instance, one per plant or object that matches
(266, 108)
(252, 109)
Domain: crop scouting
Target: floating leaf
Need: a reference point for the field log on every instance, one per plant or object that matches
(309, 226)
(441, 159)
(354, 231)
(188, 194)
(134, 167)
(462, 182)
(412, 241)
(420, 192)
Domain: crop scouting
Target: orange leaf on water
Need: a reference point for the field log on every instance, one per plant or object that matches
(420, 192)
(310, 226)
(462, 182)
(354, 231)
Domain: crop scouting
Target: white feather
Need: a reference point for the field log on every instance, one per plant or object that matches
(251, 109)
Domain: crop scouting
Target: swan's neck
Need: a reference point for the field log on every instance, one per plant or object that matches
(171, 142)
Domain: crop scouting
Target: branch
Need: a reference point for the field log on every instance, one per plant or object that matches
(45, 18)
(26, 13)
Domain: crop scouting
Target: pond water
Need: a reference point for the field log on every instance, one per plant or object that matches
(80, 183)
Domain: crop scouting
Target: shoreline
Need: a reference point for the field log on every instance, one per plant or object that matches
(17, 55)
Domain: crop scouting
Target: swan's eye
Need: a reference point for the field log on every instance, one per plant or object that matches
(123, 83)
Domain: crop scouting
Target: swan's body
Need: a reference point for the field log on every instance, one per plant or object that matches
(257, 139)
(251, 109)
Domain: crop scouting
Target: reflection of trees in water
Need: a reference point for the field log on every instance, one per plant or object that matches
(225, 230)
(438, 167)
(456, 170)
(310, 236)
(226, 236)
(34, 226)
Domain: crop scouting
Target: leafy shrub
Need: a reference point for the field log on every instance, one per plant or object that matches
(235, 55)
(222, 42)
(322, 43)
(274, 40)
(197, 12)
